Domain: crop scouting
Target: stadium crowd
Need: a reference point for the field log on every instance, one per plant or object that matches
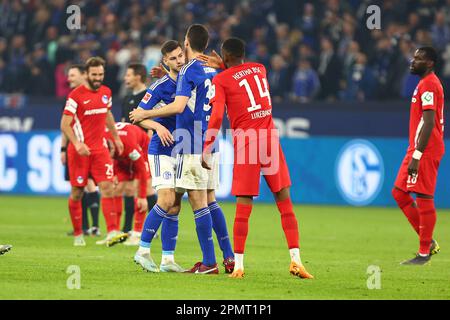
(314, 50)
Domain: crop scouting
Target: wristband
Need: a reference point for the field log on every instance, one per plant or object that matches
(63, 149)
(417, 155)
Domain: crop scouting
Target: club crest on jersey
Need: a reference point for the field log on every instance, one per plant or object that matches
(105, 99)
(167, 175)
(80, 179)
(147, 97)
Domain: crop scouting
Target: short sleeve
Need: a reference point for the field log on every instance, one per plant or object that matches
(150, 99)
(71, 106)
(428, 96)
(185, 83)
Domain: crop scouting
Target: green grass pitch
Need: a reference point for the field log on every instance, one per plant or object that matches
(338, 244)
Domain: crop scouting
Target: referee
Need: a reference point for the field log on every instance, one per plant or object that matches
(135, 79)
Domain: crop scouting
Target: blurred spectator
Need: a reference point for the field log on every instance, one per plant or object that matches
(306, 82)
(329, 68)
(361, 81)
(278, 78)
(133, 30)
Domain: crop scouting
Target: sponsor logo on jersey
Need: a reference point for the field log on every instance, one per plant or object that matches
(359, 172)
(95, 111)
(105, 99)
(147, 97)
(427, 98)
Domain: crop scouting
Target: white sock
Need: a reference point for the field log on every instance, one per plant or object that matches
(423, 255)
(239, 261)
(143, 250)
(295, 255)
(167, 258)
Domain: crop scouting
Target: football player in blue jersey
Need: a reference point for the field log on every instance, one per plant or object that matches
(192, 110)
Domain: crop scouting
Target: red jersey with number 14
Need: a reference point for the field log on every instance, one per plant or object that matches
(428, 95)
(247, 96)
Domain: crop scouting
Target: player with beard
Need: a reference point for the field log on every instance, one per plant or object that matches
(87, 112)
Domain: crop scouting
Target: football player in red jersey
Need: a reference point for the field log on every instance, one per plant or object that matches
(244, 90)
(131, 164)
(87, 112)
(419, 169)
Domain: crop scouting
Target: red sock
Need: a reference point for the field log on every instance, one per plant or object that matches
(240, 228)
(76, 215)
(109, 212)
(289, 223)
(139, 217)
(406, 203)
(118, 202)
(427, 222)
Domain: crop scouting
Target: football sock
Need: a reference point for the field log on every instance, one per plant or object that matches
(289, 223)
(139, 217)
(239, 261)
(427, 222)
(118, 202)
(203, 225)
(406, 203)
(76, 216)
(109, 212)
(129, 212)
(169, 234)
(240, 227)
(219, 225)
(151, 200)
(151, 225)
(295, 255)
(84, 208)
(93, 201)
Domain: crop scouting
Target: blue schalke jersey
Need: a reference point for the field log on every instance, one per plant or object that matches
(194, 81)
(160, 94)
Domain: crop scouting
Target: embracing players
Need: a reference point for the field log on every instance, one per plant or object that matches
(192, 110)
(419, 169)
(243, 90)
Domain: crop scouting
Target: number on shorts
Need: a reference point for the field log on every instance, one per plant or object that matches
(109, 171)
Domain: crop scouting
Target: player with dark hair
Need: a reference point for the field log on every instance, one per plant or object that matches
(87, 112)
(135, 81)
(244, 91)
(419, 169)
(76, 76)
(191, 107)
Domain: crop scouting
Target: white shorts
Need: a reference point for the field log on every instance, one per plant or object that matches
(190, 175)
(162, 168)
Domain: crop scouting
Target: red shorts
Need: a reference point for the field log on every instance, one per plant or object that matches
(98, 166)
(246, 176)
(125, 170)
(425, 182)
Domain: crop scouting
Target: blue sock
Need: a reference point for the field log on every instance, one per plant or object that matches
(151, 225)
(203, 225)
(169, 234)
(220, 228)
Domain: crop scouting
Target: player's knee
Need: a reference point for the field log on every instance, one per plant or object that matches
(128, 190)
(107, 190)
(76, 194)
(401, 197)
(174, 210)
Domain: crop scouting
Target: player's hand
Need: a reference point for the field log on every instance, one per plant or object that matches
(165, 136)
(137, 115)
(82, 149)
(213, 61)
(63, 157)
(142, 204)
(159, 72)
(119, 146)
(206, 160)
(413, 167)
